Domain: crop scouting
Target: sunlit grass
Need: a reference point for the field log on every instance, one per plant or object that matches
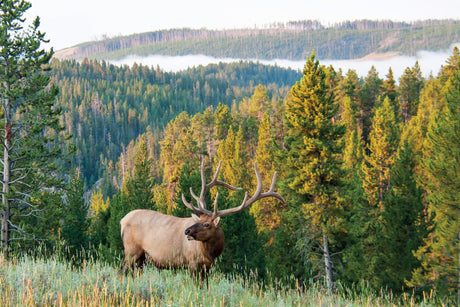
(29, 282)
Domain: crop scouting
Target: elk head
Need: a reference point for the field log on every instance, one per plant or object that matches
(203, 229)
(207, 223)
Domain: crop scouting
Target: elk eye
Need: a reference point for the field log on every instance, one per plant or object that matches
(206, 224)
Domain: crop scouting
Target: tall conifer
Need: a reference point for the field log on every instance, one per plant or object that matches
(383, 142)
(313, 146)
(29, 119)
(441, 165)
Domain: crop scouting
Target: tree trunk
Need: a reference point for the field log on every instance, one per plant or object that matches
(327, 262)
(6, 182)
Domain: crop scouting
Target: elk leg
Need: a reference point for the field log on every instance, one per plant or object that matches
(132, 262)
(203, 275)
(140, 262)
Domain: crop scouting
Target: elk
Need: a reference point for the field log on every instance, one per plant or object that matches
(172, 242)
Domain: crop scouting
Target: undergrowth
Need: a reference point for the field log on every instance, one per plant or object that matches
(50, 282)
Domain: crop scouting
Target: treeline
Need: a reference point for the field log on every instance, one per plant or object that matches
(293, 40)
(369, 169)
(106, 106)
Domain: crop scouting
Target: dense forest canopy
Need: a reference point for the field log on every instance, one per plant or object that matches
(106, 106)
(292, 40)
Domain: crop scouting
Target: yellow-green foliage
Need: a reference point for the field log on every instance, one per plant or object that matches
(29, 282)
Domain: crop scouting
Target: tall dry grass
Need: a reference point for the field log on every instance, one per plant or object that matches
(50, 282)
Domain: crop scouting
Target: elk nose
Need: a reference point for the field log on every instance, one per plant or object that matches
(187, 231)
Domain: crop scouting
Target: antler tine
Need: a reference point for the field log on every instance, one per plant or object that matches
(215, 214)
(215, 181)
(190, 206)
(257, 194)
(203, 180)
(272, 192)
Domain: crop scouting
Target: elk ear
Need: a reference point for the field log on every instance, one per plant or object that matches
(216, 221)
(195, 217)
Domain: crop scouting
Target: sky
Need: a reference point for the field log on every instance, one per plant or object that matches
(70, 22)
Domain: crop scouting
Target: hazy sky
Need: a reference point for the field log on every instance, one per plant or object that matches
(69, 22)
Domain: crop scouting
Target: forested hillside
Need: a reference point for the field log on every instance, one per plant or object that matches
(366, 164)
(106, 106)
(294, 41)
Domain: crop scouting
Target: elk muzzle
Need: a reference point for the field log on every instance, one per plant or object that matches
(188, 234)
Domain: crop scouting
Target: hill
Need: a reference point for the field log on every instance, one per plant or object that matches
(293, 41)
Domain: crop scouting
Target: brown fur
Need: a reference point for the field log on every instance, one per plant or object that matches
(161, 239)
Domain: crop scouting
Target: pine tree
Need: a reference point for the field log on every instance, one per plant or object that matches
(377, 183)
(450, 69)
(259, 102)
(353, 151)
(224, 121)
(404, 223)
(75, 228)
(410, 86)
(383, 141)
(313, 146)
(139, 188)
(120, 205)
(189, 178)
(29, 117)
(99, 215)
(441, 165)
(370, 93)
(389, 86)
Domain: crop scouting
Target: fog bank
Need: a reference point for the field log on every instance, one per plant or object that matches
(430, 62)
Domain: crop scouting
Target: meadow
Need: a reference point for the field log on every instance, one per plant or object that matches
(51, 282)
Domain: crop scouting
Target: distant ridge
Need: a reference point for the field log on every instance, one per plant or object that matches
(292, 41)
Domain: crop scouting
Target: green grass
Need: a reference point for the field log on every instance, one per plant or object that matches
(50, 282)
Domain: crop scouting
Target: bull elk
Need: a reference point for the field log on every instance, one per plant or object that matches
(172, 242)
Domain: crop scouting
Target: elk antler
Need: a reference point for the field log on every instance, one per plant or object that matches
(257, 195)
(204, 188)
(246, 202)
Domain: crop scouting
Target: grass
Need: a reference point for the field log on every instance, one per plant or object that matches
(50, 282)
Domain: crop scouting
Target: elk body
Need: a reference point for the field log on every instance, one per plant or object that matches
(172, 242)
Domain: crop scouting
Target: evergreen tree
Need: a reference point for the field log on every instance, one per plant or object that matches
(29, 118)
(43, 227)
(450, 69)
(99, 215)
(139, 189)
(410, 85)
(377, 183)
(75, 220)
(119, 207)
(383, 141)
(441, 165)
(224, 121)
(370, 93)
(349, 86)
(404, 223)
(259, 102)
(389, 86)
(353, 151)
(189, 178)
(313, 146)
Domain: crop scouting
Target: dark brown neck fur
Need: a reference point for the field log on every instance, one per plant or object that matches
(214, 246)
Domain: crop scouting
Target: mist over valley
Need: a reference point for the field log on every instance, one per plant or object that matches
(429, 61)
